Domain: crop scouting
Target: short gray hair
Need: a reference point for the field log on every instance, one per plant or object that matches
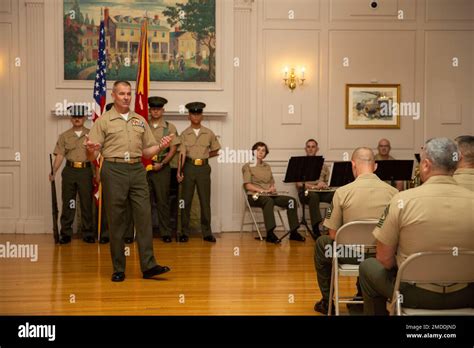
(443, 153)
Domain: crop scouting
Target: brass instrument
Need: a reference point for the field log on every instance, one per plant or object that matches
(307, 191)
(277, 193)
(416, 180)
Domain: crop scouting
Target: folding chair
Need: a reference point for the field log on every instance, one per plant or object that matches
(433, 267)
(356, 233)
(254, 222)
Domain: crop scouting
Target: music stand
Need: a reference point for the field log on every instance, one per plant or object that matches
(302, 169)
(394, 170)
(341, 174)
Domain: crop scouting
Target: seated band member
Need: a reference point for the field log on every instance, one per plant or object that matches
(258, 179)
(435, 216)
(383, 154)
(364, 198)
(314, 198)
(464, 174)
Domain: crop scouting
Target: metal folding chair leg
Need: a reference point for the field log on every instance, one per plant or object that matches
(242, 222)
(256, 224)
(331, 291)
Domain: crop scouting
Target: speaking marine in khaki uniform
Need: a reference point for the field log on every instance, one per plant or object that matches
(314, 198)
(159, 175)
(104, 230)
(198, 144)
(76, 176)
(436, 216)
(123, 137)
(464, 174)
(364, 198)
(260, 184)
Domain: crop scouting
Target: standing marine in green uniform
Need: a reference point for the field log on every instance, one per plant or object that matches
(123, 137)
(76, 176)
(198, 144)
(159, 175)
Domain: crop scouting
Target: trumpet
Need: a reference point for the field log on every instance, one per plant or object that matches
(277, 193)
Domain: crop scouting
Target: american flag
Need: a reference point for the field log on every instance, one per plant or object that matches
(100, 84)
(100, 96)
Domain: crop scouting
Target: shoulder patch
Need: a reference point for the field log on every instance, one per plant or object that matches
(384, 216)
(329, 212)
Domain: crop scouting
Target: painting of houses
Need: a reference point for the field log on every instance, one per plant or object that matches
(175, 52)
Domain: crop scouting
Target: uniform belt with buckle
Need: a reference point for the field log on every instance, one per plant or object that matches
(442, 289)
(197, 161)
(123, 160)
(78, 164)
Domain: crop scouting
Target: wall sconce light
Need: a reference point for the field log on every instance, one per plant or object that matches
(291, 80)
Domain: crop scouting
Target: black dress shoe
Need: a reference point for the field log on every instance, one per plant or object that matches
(155, 271)
(118, 277)
(166, 239)
(128, 240)
(272, 238)
(104, 240)
(210, 238)
(323, 307)
(89, 239)
(64, 239)
(294, 235)
(183, 238)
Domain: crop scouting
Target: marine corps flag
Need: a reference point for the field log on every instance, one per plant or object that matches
(143, 80)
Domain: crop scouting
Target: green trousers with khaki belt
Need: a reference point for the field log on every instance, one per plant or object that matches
(268, 202)
(74, 181)
(197, 177)
(378, 283)
(125, 184)
(160, 184)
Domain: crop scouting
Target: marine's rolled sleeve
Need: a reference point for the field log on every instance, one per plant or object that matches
(214, 145)
(60, 148)
(388, 229)
(334, 218)
(97, 132)
(247, 176)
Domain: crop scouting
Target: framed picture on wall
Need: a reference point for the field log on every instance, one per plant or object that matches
(184, 51)
(372, 106)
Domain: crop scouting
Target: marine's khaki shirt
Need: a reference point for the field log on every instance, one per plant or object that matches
(437, 215)
(363, 199)
(259, 175)
(120, 138)
(71, 146)
(465, 177)
(158, 130)
(378, 157)
(200, 146)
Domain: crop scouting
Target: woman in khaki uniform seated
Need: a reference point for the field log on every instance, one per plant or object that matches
(260, 186)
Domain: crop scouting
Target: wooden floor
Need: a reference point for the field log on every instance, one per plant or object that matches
(74, 279)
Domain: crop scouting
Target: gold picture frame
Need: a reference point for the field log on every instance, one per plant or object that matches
(371, 106)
